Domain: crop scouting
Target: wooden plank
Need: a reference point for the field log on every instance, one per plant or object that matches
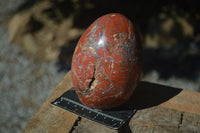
(87, 126)
(49, 118)
(151, 94)
(187, 101)
(160, 119)
(155, 119)
(160, 109)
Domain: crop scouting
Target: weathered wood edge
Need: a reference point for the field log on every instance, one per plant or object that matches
(185, 101)
(53, 119)
(49, 118)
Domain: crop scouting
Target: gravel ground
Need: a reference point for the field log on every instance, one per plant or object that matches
(24, 85)
(8, 7)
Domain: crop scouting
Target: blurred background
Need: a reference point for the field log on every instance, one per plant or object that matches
(38, 37)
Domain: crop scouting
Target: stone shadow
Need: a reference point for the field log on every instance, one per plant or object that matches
(147, 95)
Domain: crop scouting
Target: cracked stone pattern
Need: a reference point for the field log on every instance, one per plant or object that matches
(106, 64)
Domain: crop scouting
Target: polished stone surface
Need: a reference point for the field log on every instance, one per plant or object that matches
(107, 61)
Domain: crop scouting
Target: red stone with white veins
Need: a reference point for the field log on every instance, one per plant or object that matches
(107, 62)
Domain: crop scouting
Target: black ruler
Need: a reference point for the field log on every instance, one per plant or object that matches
(111, 118)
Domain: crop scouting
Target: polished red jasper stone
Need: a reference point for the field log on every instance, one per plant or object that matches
(106, 64)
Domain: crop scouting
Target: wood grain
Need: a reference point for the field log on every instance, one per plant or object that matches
(160, 109)
(187, 101)
(151, 94)
(160, 119)
(49, 118)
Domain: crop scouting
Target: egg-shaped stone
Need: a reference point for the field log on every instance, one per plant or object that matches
(107, 62)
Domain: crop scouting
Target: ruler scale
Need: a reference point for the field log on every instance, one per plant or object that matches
(110, 118)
